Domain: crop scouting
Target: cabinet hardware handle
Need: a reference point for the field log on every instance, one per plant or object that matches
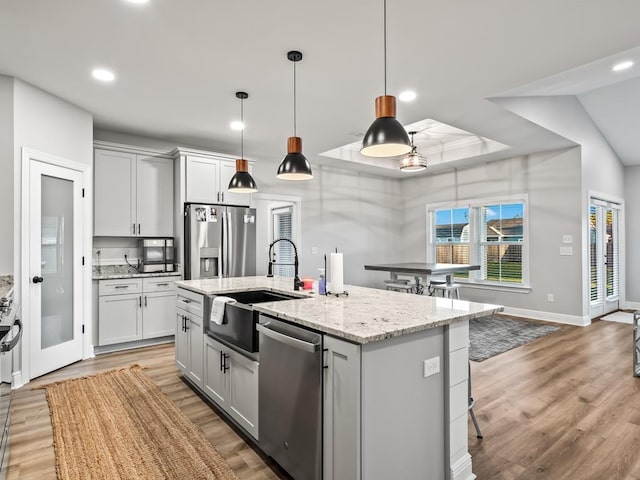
(225, 367)
(134, 228)
(162, 284)
(186, 327)
(184, 300)
(145, 300)
(140, 301)
(221, 360)
(121, 286)
(138, 229)
(222, 197)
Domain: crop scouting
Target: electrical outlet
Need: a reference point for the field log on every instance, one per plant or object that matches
(431, 366)
(314, 250)
(550, 298)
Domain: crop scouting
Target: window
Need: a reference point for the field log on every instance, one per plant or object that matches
(491, 234)
(283, 228)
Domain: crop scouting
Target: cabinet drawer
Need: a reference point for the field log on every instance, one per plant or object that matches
(190, 301)
(159, 284)
(119, 286)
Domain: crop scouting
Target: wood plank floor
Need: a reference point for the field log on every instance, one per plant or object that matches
(31, 453)
(563, 407)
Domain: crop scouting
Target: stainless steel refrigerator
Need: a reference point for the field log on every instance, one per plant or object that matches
(220, 241)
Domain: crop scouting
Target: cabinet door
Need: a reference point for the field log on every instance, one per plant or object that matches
(203, 179)
(228, 170)
(182, 342)
(155, 196)
(196, 349)
(215, 379)
(157, 314)
(119, 319)
(341, 410)
(114, 194)
(243, 392)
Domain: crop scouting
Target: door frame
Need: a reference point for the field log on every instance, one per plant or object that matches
(594, 195)
(22, 376)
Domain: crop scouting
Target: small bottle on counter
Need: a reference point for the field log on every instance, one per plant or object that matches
(322, 282)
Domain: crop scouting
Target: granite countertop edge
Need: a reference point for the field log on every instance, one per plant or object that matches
(114, 276)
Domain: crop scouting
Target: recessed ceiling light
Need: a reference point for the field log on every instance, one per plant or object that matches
(618, 67)
(138, 1)
(407, 96)
(103, 75)
(237, 125)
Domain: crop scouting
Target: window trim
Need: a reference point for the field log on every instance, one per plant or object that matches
(474, 238)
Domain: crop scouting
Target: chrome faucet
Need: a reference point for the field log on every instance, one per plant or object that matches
(297, 283)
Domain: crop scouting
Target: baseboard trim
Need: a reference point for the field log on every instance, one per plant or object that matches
(549, 316)
(117, 347)
(461, 470)
(631, 306)
(17, 379)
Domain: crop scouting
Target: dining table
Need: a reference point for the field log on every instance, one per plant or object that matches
(420, 271)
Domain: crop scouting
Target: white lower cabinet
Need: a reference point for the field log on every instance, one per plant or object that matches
(231, 381)
(341, 437)
(189, 346)
(135, 309)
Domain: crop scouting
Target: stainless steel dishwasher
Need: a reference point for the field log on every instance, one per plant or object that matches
(290, 392)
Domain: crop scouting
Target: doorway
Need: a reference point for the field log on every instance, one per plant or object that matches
(52, 267)
(604, 256)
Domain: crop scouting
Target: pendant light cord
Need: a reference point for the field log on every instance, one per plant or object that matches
(294, 100)
(242, 131)
(384, 16)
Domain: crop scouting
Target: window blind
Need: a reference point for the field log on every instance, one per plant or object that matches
(283, 228)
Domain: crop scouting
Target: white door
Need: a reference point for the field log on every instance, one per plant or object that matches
(55, 270)
(604, 256)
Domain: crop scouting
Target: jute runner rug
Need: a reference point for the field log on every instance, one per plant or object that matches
(119, 425)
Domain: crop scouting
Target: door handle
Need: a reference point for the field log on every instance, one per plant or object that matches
(37, 279)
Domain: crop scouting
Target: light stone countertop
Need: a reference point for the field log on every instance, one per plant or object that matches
(107, 272)
(366, 315)
(6, 286)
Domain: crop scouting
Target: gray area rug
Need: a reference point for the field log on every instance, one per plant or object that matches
(493, 335)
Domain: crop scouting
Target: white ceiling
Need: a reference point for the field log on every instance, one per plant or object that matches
(178, 64)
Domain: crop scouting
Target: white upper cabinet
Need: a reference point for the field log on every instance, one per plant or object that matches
(133, 195)
(114, 189)
(155, 196)
(208, 181)
(203, 179)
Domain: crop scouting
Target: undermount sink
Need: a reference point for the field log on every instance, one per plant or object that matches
(259, 296)
(239, 324)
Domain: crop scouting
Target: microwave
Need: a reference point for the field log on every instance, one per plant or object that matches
(156, 255)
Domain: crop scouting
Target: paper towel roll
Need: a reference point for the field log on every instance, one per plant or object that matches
(337, 276)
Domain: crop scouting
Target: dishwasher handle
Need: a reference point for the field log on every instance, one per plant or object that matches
(286, 339)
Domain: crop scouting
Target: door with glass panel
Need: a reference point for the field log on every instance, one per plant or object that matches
(55, 246)
(604, 258)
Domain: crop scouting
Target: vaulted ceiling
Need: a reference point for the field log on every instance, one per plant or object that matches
(178, 64)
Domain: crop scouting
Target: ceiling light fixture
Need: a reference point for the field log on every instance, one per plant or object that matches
(237, 125)
(413, 161)
(139, 2)
(407, 96)
(103, 75)
(386, 136)
(618, 67)
(242, 181)
(294, 165)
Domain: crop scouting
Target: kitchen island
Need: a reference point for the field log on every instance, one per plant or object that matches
(395, 376)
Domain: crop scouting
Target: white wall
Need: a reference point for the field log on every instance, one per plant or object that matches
(632, 214)
(7, 176)
(549, 179)
(601, 170)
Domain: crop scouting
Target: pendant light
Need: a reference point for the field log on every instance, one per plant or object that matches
(294, 165)
(386, 136)
(242, 181)
(413, 161)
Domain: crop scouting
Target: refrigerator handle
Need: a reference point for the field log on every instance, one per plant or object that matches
(225, 244)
